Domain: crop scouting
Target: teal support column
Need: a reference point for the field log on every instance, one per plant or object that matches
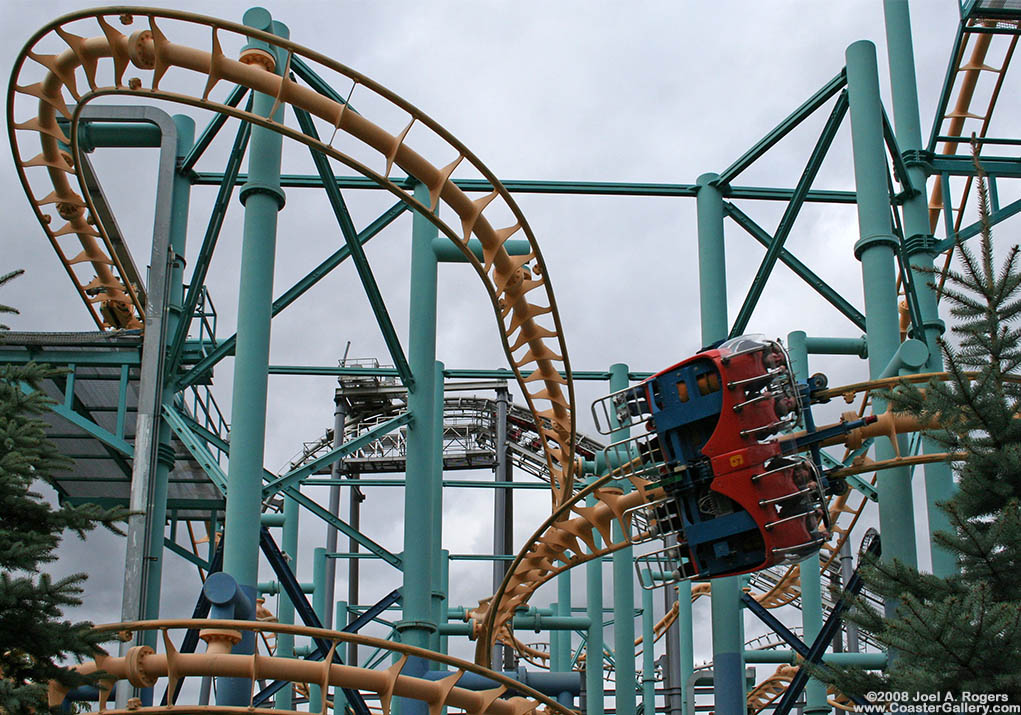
(728, 629)
(594, 637)
(319, 605)
(623, 585)
(919, 248)
(262, 199)
(418, 627)
(285, 609)
(444, 582)
(561, 654)
(875, 249)
(811, 587)
(686, 641)
(440, 561)
(648, 655)
(179, 201)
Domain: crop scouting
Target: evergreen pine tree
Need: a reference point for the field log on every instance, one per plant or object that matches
(34, 637)
(963, 633)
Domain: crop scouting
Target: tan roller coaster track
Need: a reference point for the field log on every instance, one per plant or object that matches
(536, 352)
(143, 667)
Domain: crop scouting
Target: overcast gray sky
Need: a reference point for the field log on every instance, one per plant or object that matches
(607, 91)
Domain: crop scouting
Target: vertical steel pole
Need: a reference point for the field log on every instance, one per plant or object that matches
(336, 472)
(648, 656)
(594, 641)
(355, 520)
(623, 586)
(503, 515)
(680, 647)
(563, 608)
(262, 198)
(439, 560)
(285, 609)
(875, 249)
(728, 639)
(320, 606)
(180, 198)
(418, 626)
(919, 246)
(811, 586)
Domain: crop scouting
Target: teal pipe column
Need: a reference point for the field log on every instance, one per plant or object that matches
(319, 605)
(594, 637)
(686, 642)
(285, 609)
(440, 561)
(648, 655)
(262, 198)
(623, 585)
(875, 249)
(418, 626)
(180, 199)
(810, 568)
(728, 629)
(561, 655)
(919, 246)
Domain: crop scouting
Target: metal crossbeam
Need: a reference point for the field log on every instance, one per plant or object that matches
(783, 230)
(578, 188)
(195, 447)
(347, 228)
(212, 129)
(106, 437)
(800, 269)
(783, 129)
(296, 475)
(226, 347)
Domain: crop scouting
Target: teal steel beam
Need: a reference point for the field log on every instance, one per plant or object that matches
(212, 235)
(800, 269)
(453, 373)
(418, 626)
(344, 527)
(837, 346)
(226, 346)
(262, 198)
(790, 215)
(920, 252)
(105, 436)
(14, 354)
(347, 228)
(948, 85)
(783, 129)
(811, 586)
(448, 252)
(727, 625)
(648, 655)
(594, 704)
(1006, 167)
(623, 584)
(195, 447)
(440, 560)
(578, 188)
(211, 130)
(188, 556)
(295, 476)
(900, 169)
(972, 230)
(876, 250)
